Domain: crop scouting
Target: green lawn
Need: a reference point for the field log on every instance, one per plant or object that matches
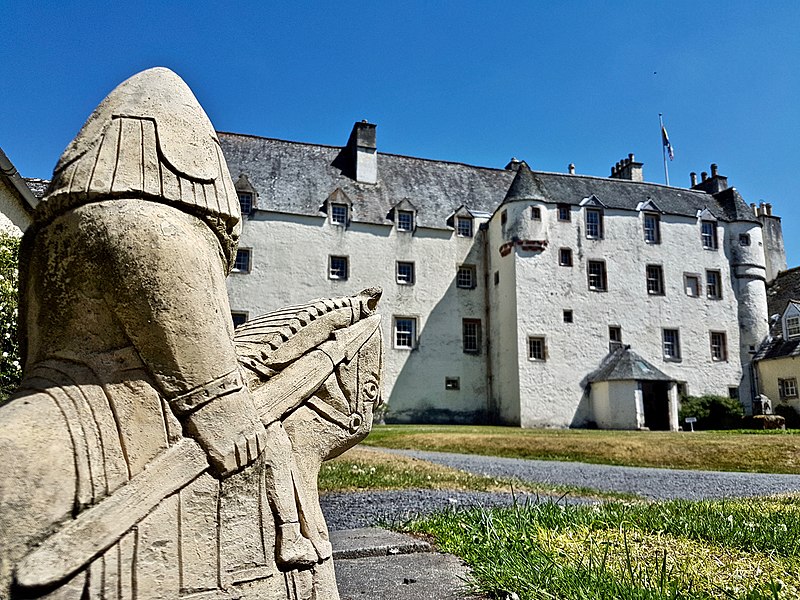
(746, 549)
(753, 451)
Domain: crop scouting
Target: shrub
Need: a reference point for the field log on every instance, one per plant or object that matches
(788, 412)
(10, 369)
(712, 412)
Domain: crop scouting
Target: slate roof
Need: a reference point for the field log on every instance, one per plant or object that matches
(778, 348)
(782, 289)
(623, 364)
(727, 205)
(37, 186)
(296, 178)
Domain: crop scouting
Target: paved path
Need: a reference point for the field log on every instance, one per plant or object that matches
(364, 509)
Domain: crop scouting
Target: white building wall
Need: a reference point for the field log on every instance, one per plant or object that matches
(289, 265)
(14, 220)
(617, 405)
(552, 392)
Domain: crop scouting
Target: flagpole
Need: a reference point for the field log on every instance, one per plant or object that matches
(663, 146)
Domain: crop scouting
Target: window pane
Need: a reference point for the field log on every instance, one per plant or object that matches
(246, 202)
(713, 289)
(339, 214)
(239, 318)
(464, 227)
(655, 280)
(652, 229)
(594, 223)
(465, 278)
(404, 332)
(471, 332)
(536, 213)
(597, 275)
(709, 234)
(719, 350)
(563, 212)
(793, 326)
(242, 262)
(405, 273)
(405, 220)
(565, 257)
(692, 285)
(338, 267)
(536, 348)
(671, 343)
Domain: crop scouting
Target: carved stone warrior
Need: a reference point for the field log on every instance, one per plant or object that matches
(148, 454)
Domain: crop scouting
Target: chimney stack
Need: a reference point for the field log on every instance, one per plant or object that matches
(362, 144)
(628, 168)
(714, 184)
(572, 168)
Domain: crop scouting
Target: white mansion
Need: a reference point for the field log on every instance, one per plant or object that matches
(510, 295)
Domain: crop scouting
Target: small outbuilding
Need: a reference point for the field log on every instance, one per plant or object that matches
(628, 392)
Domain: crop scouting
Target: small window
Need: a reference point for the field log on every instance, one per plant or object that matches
(598, 281)
(405, 273)
(708, 233)
(565, 257)
(614, 337)
(652, 228)
(239, 318)
(246, 202)
(536, 348)
(242, 262)
(788, 387)
(339, 214)
(792, 327)
(655, 280)
(713, 285)
(405, 332)
(567, 316)
(496, 277)
(733, 392)
(464, 226)
(744, 240)
(536, 213)
(719, 346)
(672, 344)
(465, 277)
(338, 267)
(563, 212)
(691, 284)
(405, 220)
(452, 383)
(594, 223)
(503, 217)
(471, 335)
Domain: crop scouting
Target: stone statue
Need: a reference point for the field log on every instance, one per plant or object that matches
(150, 453)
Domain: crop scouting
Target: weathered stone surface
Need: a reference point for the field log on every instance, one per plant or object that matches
(149, 453)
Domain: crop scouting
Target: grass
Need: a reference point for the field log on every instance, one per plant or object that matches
(767, 452)
(747, 549)
(366, 469)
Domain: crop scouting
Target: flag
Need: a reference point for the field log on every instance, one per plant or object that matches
(665, 141)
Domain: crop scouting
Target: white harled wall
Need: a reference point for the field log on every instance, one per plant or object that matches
(290, 266)
(551, 393)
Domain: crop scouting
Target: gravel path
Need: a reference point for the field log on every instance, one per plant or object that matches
(362, 509)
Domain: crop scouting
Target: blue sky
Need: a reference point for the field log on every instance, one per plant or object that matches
(475, 82)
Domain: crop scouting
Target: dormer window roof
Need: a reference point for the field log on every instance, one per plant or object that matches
(338, 207)
(592, 202)
(649, 206)
(246, 193)
(791, 320)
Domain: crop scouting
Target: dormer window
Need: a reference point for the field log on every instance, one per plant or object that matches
(652, 228)
(405, 220)
(464, 226)
(708, 233)
(246, 202)
(793, 327)
(594, 223)
(339, 214)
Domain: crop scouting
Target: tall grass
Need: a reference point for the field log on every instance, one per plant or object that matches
(674, 550)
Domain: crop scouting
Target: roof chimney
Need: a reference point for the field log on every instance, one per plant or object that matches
(714, 184)
(693, 178)
(364, 151)
(514, 164)
(572, 168)
(628, 168)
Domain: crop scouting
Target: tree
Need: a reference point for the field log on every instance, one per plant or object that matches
(10, 367)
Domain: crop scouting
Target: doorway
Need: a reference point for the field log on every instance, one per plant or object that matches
(655, 399)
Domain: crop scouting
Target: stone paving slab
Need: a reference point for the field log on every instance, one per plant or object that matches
(374, 541)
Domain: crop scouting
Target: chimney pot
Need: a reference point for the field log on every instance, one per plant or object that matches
(713, 169)
(693, 178)
(631, 157)
(769, 209)
(703, 176)
(572, 168)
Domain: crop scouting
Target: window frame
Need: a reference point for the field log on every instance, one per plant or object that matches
(675, 344)
(405, 221)
(699, 288)
(744, 239)
(654, 275)
(469, 227)
(792, 327)
(338, 277)
(709, 238)
(719, 350)
(333, 218)
(473, 280)
(562, 255)
(614, 331)
(596, 226)
(241, 204)
(564, 212)
(474, 336)
(536, 213)
(787, 387)
(655, 229)
(411, 332)
(713, 290)
(568, 315)
(603, 275)
(239, 313)
(539, 341)
(400, 278)
(243, 252)
(452, 384)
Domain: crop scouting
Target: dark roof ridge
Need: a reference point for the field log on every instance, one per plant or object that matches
(273, 139)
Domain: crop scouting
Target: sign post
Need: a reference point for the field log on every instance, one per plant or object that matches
(691, 421)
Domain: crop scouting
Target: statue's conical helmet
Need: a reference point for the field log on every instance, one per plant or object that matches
(149, 138)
